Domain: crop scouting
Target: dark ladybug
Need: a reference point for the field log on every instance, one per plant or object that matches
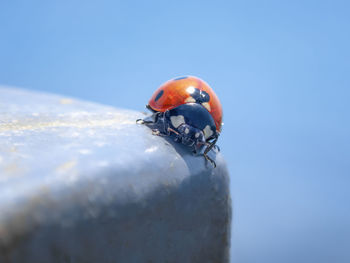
(188, 110)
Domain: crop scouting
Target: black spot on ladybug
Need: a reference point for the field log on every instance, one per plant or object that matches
(160, 94)
(200, 96)
(184, 77)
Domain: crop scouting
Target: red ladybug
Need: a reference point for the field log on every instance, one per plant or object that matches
(187, 109)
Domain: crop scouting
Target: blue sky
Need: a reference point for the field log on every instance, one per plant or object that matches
(280, 68)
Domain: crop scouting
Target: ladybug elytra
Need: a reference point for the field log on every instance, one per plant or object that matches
(187, 109)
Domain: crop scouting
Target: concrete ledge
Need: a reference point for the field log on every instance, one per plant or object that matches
(81, 182)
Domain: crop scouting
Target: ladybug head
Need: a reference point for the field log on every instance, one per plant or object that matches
(191, 124)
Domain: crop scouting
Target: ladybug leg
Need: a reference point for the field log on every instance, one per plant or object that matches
(210, 160)
(157, 133)
(177, 137)
(140, 121)
(172, 130)
(149, 120)
(209, 147)
(152, 122)
(217, 148)
(144, 121)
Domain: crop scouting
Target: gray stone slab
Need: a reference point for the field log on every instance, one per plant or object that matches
(82, 182)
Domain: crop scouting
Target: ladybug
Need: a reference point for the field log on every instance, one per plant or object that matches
(187, 109)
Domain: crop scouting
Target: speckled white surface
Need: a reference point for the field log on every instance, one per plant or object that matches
(83, 182)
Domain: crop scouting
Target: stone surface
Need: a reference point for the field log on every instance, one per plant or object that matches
(82, 182)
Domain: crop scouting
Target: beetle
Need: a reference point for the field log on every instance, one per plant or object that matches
(187, 109)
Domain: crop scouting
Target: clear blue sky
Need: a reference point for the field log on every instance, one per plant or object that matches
(280, 68)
